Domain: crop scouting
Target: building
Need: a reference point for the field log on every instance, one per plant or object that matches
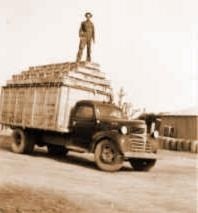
(183, 124)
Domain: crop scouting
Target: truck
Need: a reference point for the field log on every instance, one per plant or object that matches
(69, 107)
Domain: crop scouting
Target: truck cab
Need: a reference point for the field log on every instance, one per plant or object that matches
(101, 128)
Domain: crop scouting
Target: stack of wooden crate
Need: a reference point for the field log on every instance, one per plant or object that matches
(82, 75)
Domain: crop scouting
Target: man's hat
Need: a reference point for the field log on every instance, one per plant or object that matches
(88, 14)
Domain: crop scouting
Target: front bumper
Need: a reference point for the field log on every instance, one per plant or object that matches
(143, 155)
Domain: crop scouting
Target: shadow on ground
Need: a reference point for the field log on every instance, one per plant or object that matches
(85, 160)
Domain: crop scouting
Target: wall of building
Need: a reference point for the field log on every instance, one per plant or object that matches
(182, 126)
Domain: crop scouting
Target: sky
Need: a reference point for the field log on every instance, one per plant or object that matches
(148, 47)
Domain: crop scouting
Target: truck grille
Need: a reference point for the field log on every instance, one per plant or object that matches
(138, 144)
(137, 130)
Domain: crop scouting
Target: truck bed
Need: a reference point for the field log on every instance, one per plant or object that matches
(42, 99)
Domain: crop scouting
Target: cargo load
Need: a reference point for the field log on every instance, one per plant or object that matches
(42, 97)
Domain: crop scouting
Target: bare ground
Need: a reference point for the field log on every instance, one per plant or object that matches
(39, 183)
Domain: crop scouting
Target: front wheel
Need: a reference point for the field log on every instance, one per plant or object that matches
(142, 164)
(107, 156)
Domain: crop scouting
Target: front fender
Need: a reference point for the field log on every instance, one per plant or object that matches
(110, 135)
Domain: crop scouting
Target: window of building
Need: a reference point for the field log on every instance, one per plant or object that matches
(172, 131)
(166, 131)
(169, 131)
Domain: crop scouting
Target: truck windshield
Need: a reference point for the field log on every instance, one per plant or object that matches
(109, 111)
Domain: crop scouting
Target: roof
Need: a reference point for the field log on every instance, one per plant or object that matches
(193, 111)
(93, 102)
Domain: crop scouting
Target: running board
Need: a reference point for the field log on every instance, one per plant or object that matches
(76, 149)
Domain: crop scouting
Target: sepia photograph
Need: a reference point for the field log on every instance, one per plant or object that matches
(99, 106)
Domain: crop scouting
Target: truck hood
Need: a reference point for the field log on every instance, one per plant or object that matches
(117, 123)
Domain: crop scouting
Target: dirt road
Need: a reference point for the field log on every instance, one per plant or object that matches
(39, 183)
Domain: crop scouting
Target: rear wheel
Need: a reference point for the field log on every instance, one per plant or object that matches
(22, 143)
(107, 156)
(142, 164)
(56, 150)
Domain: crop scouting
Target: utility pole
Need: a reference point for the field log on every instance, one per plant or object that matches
(121, 95)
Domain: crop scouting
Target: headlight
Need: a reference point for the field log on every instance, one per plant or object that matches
(155, 134)
(124, 130)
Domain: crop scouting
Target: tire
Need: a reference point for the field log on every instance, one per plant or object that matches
(180, 145)
(142, 164)
(22, 142)
(56, 150)
(173, 145)
(194, 147)
(107, 156)
(167, 144)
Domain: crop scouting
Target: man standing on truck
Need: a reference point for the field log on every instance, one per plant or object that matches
(87, 35)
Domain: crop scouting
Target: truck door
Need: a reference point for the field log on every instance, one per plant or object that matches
(83, 124)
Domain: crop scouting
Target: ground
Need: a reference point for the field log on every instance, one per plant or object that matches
(40, 183)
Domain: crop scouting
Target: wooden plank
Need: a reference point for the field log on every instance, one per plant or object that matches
(63, 107)
(29, 106)
(38, 107)
(90, 78)
(51, 106)
(57, 107)
(19, 105)
(4, 107)
(12, 103)
(96, 73)
(10, 106)
(92, 86)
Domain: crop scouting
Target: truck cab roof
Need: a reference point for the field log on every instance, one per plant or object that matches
(95, 103)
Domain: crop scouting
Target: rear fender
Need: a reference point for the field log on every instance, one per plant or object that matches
(110, 135)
